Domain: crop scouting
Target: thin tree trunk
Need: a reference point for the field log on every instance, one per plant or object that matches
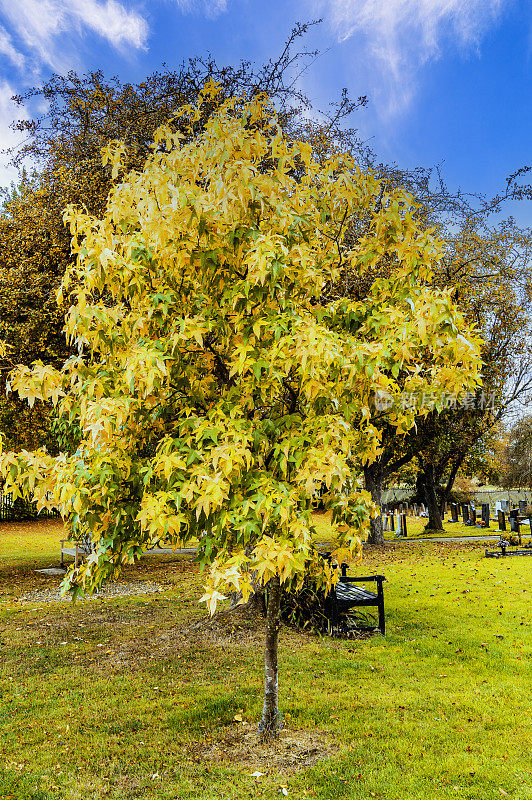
(373, 482)
(270, 723)
(429, 486)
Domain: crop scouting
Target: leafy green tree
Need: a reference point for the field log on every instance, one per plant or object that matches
(214, 391)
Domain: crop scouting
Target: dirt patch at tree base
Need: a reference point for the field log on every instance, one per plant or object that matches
(293, 750)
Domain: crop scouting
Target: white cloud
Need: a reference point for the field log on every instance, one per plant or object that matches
(7, 49)
(8, 137)
(397, 37)
(210, 8)
(43, 25)
(112, 21)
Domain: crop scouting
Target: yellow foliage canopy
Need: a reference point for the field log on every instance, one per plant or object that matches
(217, 394)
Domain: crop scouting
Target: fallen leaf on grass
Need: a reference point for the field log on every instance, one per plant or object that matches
(503, 792)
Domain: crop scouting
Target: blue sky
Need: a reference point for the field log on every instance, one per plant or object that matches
(448, 81)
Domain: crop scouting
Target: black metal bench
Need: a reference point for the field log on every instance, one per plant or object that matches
(346, 595)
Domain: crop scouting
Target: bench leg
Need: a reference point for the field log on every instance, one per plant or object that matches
(332, 612)
(380, 600)
(334, 619)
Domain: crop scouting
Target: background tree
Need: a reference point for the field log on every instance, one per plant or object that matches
(516, 466)
(487, 462)
(214, 391)
(487, 268)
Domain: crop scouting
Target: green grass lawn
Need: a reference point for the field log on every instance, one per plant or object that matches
(32, 544)
(122, 699)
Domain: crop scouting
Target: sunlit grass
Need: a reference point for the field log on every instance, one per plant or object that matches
(31, 543)
(36, 544)
(112, 699)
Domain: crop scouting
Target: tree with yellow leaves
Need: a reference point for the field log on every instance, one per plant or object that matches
(63, 146)
(215, 390)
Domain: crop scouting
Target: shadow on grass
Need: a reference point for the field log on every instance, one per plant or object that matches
(212, 712)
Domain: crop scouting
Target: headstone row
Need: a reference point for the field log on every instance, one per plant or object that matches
(410, 509)
(395, 522)
(469, 513)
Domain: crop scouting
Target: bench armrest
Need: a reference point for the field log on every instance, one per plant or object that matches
(351, 579)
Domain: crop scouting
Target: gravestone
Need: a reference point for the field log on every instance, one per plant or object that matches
(465, 512)
(486, 514)
(473, 515)
(392, 521)
(454, 512)
(403, 525)
(505, 506)
(502, 520)
(522, 507)
(514, 524)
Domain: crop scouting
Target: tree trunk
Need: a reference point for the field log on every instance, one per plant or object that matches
(373, 482)
(429, 488)
(446, 494)
(270, 723)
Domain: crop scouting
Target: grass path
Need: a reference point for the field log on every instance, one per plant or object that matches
(120, 699)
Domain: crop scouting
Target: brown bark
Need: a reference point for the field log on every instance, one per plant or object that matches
(446, 494)
(428, 483)
(373, 482)
(270, 723)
